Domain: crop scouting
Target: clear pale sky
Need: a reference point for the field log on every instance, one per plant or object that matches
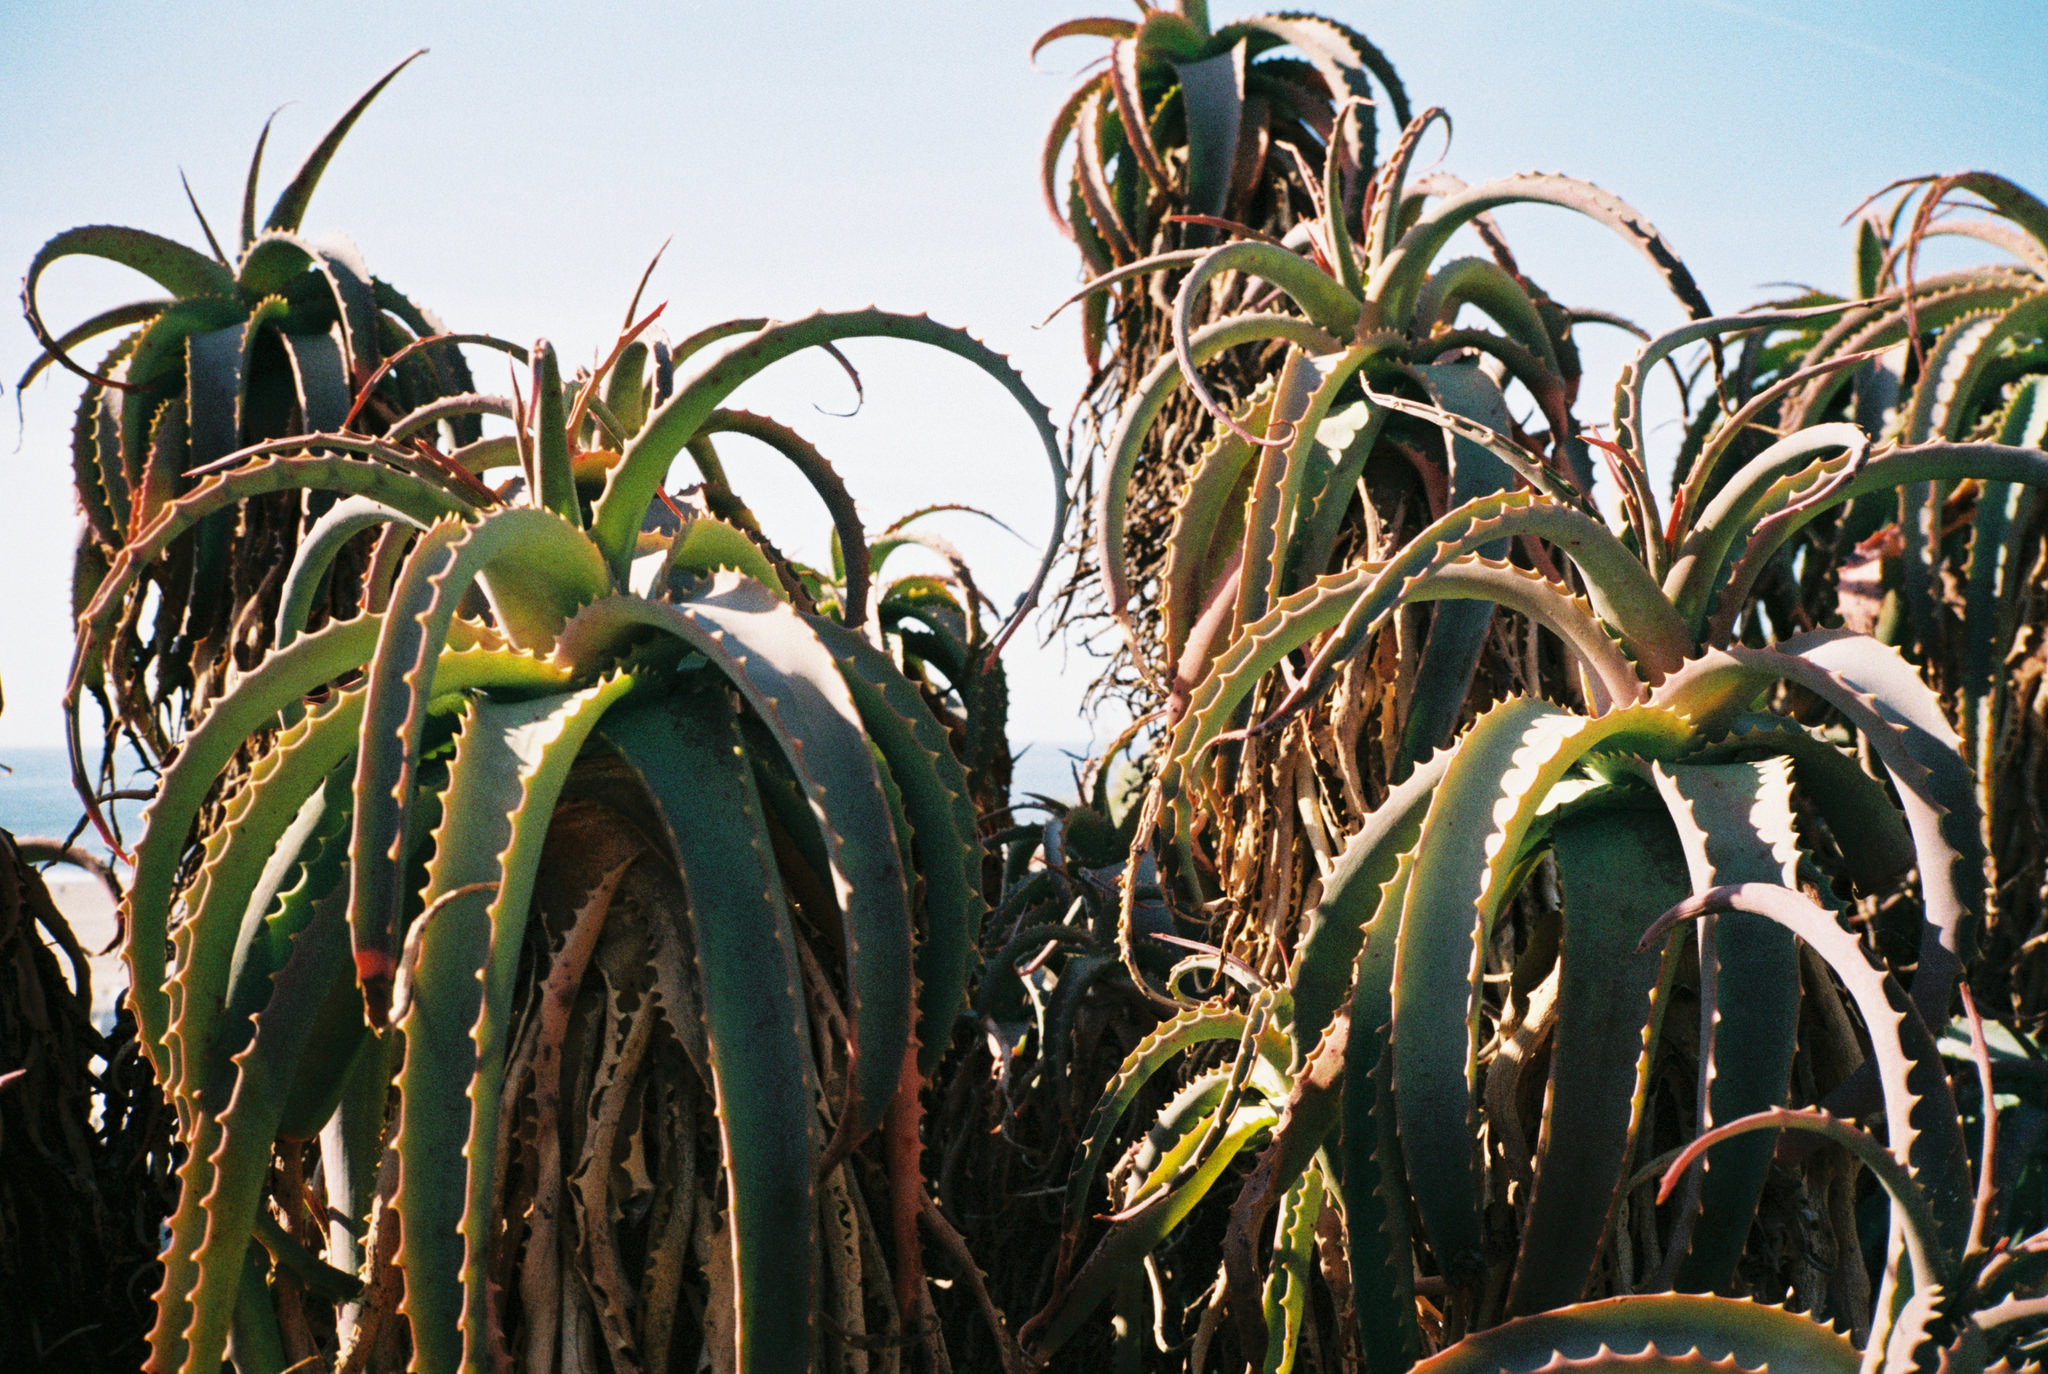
(518, 178)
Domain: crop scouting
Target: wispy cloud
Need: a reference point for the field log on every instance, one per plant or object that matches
(1830, 37)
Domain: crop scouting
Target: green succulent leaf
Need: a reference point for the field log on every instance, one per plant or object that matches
(1617, 870)
(1735, 824)
(791, 681)
(290, 208)
(1652, 1333)
(1470, 836)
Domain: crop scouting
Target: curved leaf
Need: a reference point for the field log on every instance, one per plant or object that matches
(1631, 1333)
(775, 660)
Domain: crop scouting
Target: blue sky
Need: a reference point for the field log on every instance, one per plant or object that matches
(518, 177)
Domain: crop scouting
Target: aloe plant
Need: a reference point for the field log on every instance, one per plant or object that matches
(1190, 128)
(1376, 368)
(410, 940)
(1662, 770)
(1960, 1291)
(1948, 571)
(282, 338)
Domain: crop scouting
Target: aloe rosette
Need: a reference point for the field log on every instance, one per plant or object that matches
(283, 337)
(1186, 131)
(1947, 570)
(1667, 774)
(361, 940)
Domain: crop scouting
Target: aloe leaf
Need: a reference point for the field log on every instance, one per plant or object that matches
(1470, 837)
(705, 545)
(1617, 585)
(303, 868)
(256, 1344)
(1129, 1240)
(1302, 395)
(291, 203)
(169, 442)
(1617, 870)
(537, 568)
(2010, 199)
(1056, 136)
(1634, 1332)
(351, 1153)
(267, 317)
(1208, 524)
(213, 391)
(552, 482)
(680, 419)
(1489, 286)
(1091, 174)
(1878, 693)
(1991, 580)
(443, 361)
(1130, 109)
(1436, 563)
(1347, 437)
(1173, 1140)
(1791, 503)
(1380, 1247)
(1721, 431)
(159, 357)
(1457, 633)
(448, 947)
(1327, 304)
(1294, 1252)
(511, 759)
(105, 322)
(282, 679)
(320, 373)
(1094, 288)
(318, 548)
(1735, 823)
(1396, 286)
(1194, 1147)
(1697, 563)
(1322, 971)
(1942, 401)
(272, 262)
(222, 491)
(1336, 198)
(936, 799)
(1635, 375)
(1143, 406)
(1920, 1332)
(184, 272)
(1923, 1123)
(1935, 304)
(96, 474)
(792, 683)
(452, 407)
(825, 481)
(228, 1162)
(1872, 841)
(1073, 28)
(1385, 215)
(1344, 58)
(1160, 1046)
(687, 755)
(347, 278)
